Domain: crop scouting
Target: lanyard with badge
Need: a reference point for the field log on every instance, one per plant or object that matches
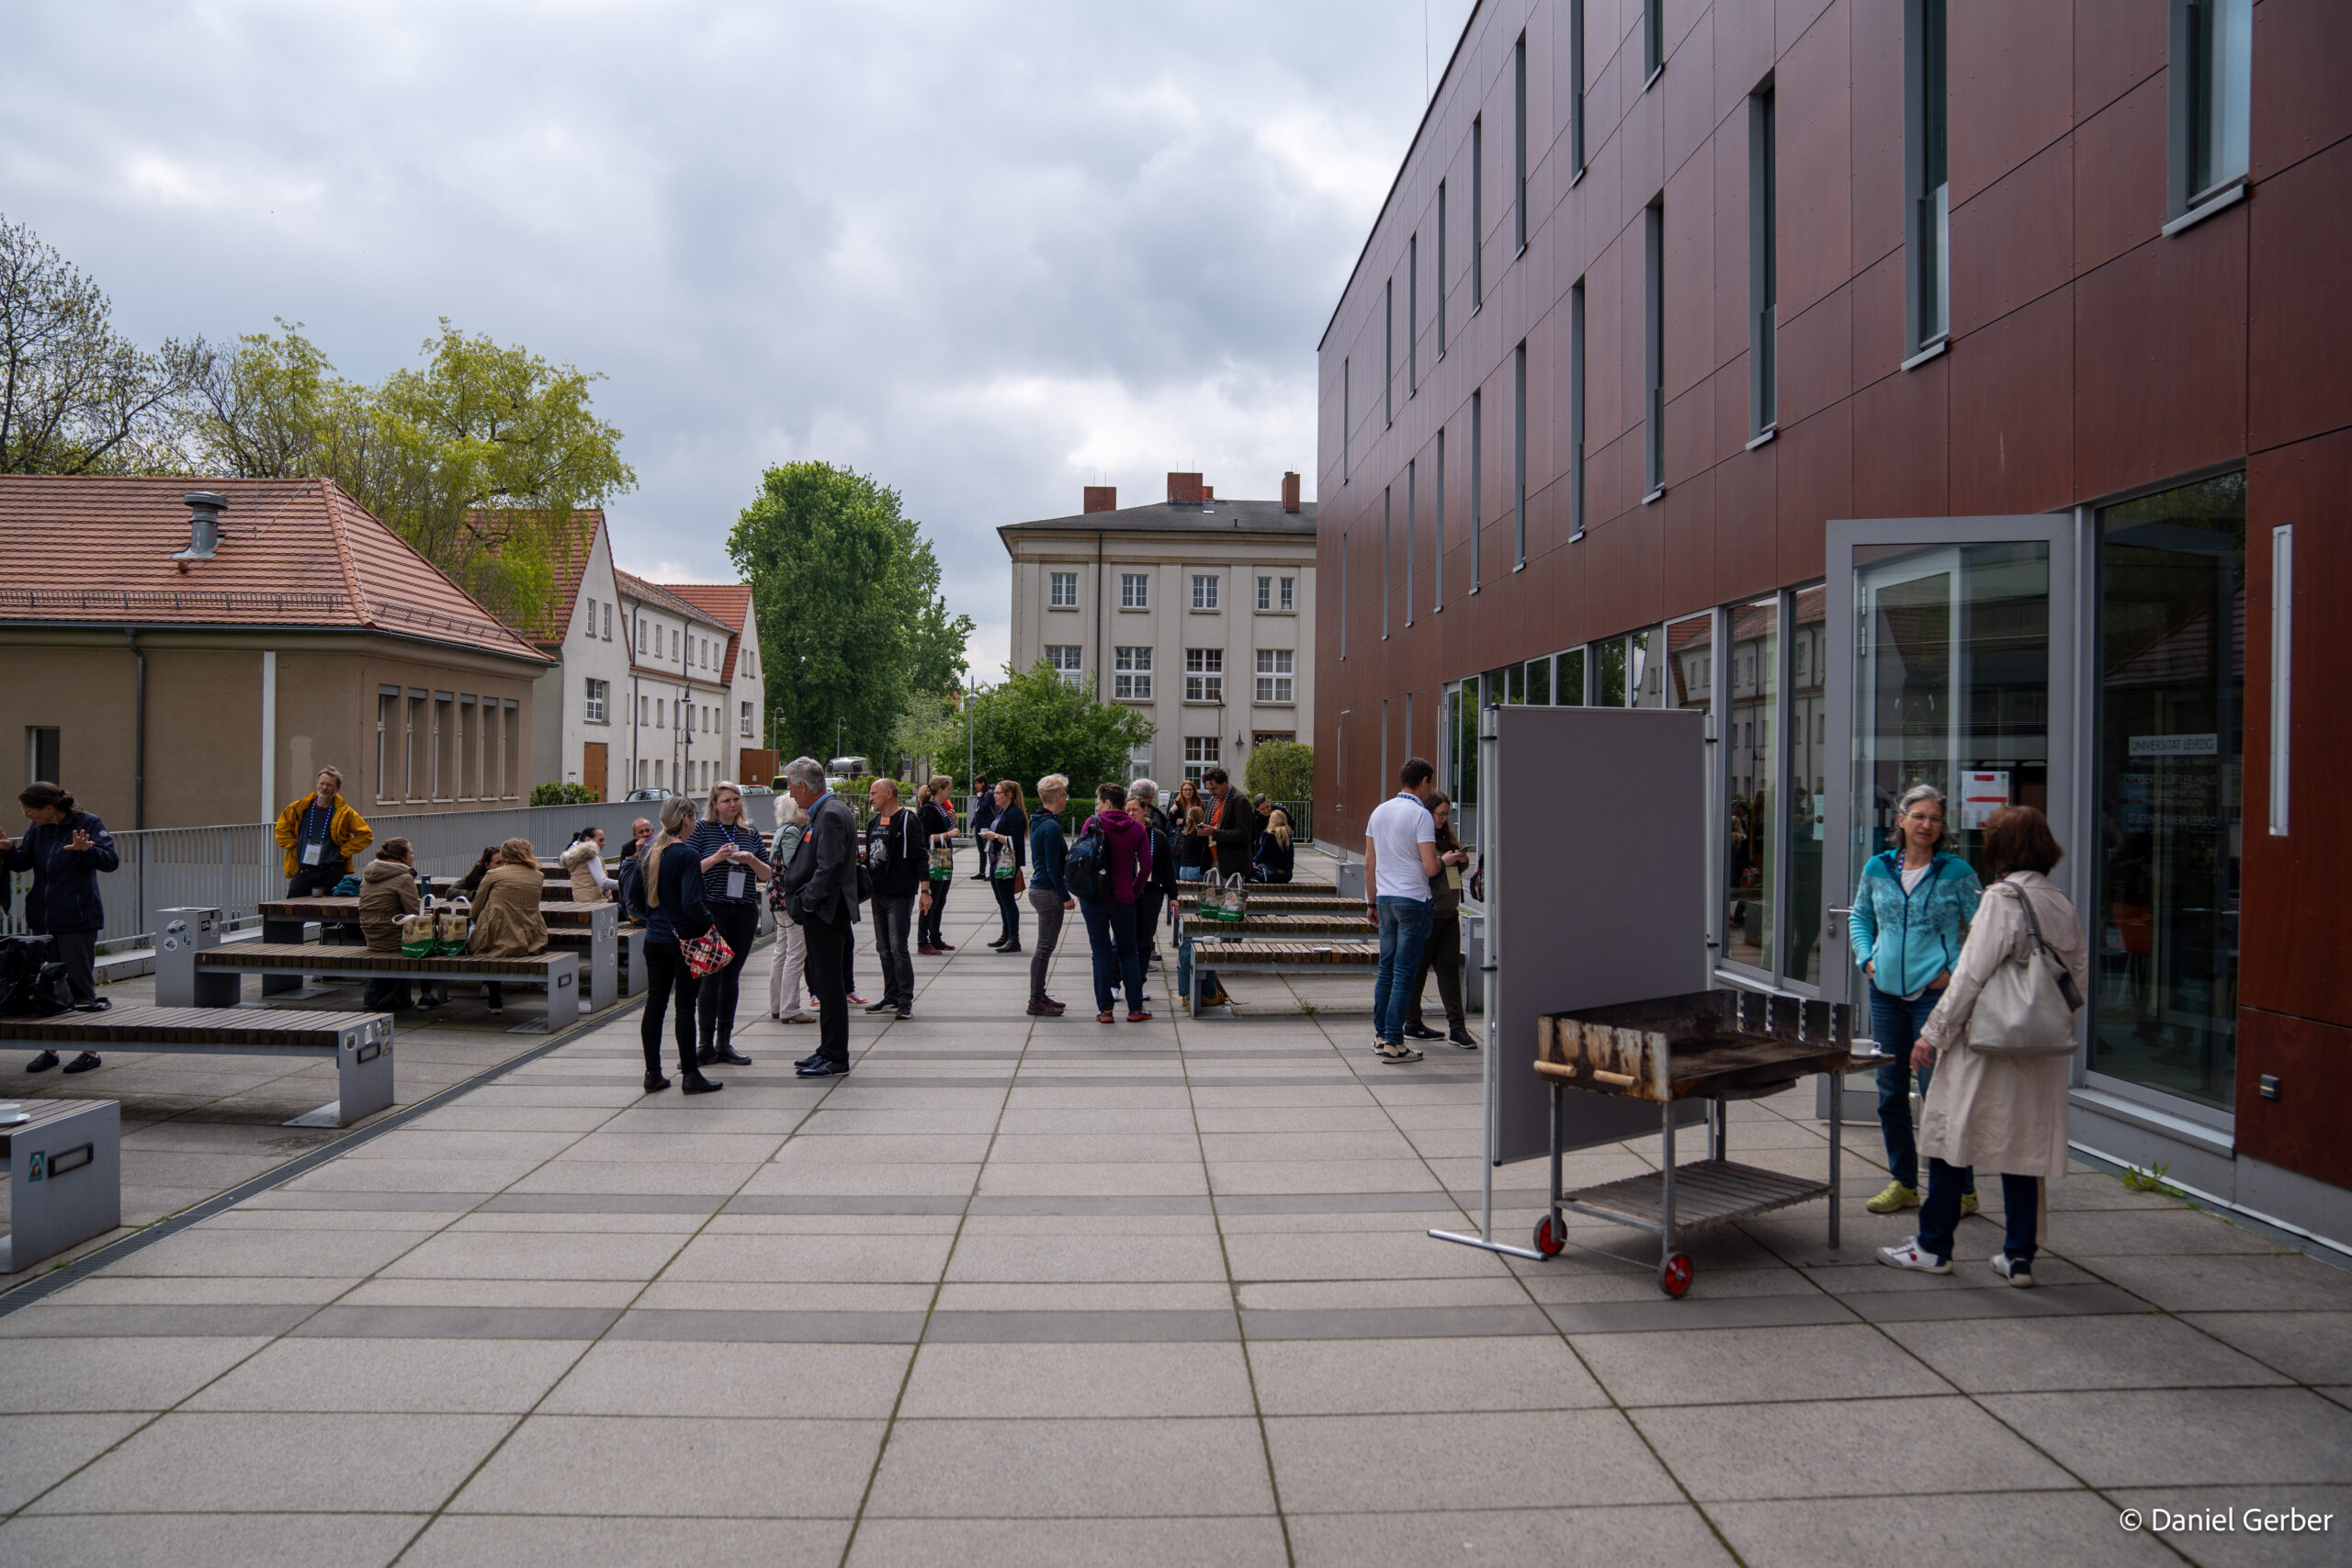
(737, 876)
(315, 850)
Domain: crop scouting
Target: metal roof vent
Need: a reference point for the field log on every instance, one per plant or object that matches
(204, 510)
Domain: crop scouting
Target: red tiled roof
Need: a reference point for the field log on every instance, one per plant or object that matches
(293, 553)
(569, 552)
(654, 595)
(729, 603)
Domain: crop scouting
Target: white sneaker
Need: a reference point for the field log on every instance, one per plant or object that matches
(1399, 1053)
(2016, 1273)
(1907, 1255)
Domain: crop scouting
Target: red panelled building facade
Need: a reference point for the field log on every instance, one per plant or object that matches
(1957, 393)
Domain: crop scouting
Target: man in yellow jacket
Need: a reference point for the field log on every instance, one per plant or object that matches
(320, 833)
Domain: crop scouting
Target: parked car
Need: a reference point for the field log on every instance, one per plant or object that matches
(647, 794)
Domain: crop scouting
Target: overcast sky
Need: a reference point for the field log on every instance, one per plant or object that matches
(986, 252)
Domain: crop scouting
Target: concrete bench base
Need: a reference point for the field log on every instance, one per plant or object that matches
(64, 1178)
(360, 1043)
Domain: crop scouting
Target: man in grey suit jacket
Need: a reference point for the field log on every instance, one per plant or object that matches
(821, 892)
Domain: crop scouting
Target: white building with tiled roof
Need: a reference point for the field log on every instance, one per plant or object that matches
(743, 670)
(678, 697)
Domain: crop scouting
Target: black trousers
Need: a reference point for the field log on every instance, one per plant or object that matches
(829, 944)
(927, 928)
(1149, 902)
(666, 972)
(78, 951)
(1008, 904)
(1442, 954)
(318, 882)
(738, 922)
(892, 912)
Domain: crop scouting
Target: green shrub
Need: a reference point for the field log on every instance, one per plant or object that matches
(564, 795)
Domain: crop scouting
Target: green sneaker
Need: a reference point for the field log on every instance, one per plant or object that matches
(1896, 1196)
(1967, 1205)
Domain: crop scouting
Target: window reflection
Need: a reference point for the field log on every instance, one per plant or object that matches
(1808, 779)
(1751, 861)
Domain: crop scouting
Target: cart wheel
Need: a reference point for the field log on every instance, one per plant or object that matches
(1675, 1278)
(1548, 1240)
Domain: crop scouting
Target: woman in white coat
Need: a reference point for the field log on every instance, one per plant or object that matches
(2007, 1112)
(788, 987)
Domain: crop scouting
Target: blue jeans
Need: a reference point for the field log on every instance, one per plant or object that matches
(1939, 1215)
(1404, 931)
(1895, 1027)
(1111, 935)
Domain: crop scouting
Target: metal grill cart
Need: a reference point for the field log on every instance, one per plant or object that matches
(1716, 1046)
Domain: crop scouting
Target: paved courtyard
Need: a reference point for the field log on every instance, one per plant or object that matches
(1043, 1291)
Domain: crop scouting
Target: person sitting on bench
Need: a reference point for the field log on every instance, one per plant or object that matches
(507, 919)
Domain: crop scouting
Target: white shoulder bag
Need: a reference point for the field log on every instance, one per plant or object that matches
(2027, 1006)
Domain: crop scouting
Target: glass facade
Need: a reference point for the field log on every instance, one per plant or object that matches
(2171, 729)
(1751, 860)
(1806, 809)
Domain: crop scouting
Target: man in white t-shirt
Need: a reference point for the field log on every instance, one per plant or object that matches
(1399, 858)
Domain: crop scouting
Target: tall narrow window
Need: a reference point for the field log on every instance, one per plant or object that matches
(1478, 214)
(1412, 315)
(1440, 269)
(2282, 668)
(1519, 142)
(1343, 595)
(1928, 245)
(1437, 529)
(1575, 86)
(1653, 40)
(1412, 516)
(1384, 553)
(1477, 479)
(1653, 341)
(1347, 417)
(1389, 353)
(1518, 456)
(1763, 240)
(2212, 52)
(1575, 410)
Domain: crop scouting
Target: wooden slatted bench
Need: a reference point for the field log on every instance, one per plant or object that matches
(1261, 955)
(64, 1176)
(360, 1043)
(615, 953)
(1282, 901)
(222, 967)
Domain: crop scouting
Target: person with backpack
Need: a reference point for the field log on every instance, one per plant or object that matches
(65, 849)
(1049, 887)
(1105, 870)
(1905, 927)
(2002, 1041)
(1158, 887)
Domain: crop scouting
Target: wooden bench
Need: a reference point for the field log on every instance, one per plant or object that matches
(211, 978)
(1197, 959)
(360, 1043)
(615, 953)
(64, 1176)
(1283, 901)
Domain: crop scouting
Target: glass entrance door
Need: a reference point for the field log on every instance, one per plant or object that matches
(1950, 664)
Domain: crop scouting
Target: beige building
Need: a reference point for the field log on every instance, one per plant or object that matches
(181, 657)
(1197, 612)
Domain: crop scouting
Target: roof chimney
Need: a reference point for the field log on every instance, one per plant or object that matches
(1208, 492)
(1290, 493)
(1183, 489)
(204, 510)
(1101, 498)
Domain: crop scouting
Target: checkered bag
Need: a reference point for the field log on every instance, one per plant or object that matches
(708, 953)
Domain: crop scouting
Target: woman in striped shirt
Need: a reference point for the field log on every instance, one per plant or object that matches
(734, 862)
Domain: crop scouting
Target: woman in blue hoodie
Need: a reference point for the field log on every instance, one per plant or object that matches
(1906, 929)
(65, 849)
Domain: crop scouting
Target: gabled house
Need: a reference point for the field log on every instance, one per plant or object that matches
(677, 696)
(742, 669)
(576, 730)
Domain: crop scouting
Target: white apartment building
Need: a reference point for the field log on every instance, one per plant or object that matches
(573, 705)
(1196, 611)
(683, 707)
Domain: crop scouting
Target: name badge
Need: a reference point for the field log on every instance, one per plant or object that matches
(734, 884)
(312, 851)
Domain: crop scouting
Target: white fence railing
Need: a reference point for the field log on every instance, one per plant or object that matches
(235, 868)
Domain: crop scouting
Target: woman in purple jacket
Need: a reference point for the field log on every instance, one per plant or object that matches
(1111, 922)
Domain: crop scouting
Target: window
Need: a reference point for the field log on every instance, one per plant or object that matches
(1412, 507)
(1576, 158)
(659, 721)
(1927, 249)
(1763, 244)
(387, 723)
(1286, 594)
(1519, 142)
(642, 766)
(1344, 595)
(1204, 674)
(511, 726)
(1654, 342)
(588, 607)
(1134, 590)
(1265, 593)
(1201, 754)
(1478, 214)
(1276, 678)
(1412, 315)
(1752, 861)
(608, 623)
(1131, 674)
(1437, 525)
(1652, 38)
(44, 753)
(598, 694)
(1204, 591)
(1062, 590)
(657, 774)
(1387, 547)
(1477, 477)
(415, 748)
(1575, 410)
(1440, 269)
(1067, 660)
(1389, 353)
(644, 708)
(674, 644)
(2212, 50)
(1347, 416)
(641, 631)
(743, 727)
(1518, 456)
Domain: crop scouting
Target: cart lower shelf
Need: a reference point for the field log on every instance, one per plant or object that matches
(1706, 1193)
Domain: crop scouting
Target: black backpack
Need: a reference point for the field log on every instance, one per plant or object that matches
(631, 891)
(1085, 869)
(33, 982)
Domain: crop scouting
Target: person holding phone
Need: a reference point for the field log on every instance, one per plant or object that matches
(733, 865)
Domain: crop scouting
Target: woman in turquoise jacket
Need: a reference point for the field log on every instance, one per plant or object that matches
(1906, 929)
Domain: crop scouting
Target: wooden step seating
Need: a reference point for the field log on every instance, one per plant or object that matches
(614, 953)
(217, 971)
(64, 1175)
(360, 1043)
(1199, 959)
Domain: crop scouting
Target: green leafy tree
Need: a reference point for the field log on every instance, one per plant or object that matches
(1036, 723)
(563, 792)
(76, 396)
(1284, 771)
(846, 591)
(480, 428)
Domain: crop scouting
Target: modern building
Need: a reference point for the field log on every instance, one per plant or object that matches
(1197, 612)
(181, 657)
(1926, 392)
